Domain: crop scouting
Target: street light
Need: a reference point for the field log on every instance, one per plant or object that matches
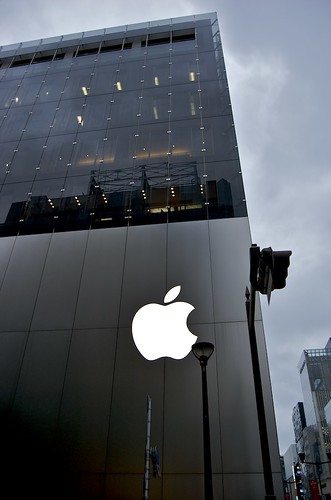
(202, 351)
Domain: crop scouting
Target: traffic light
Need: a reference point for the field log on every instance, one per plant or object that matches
(269, 269)
(281, 262)
(297, 476)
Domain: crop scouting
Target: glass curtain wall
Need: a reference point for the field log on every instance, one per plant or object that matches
(122, 126)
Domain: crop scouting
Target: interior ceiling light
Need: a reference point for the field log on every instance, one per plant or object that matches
(192, 76)
(156, 81)
(84, 90)
(80, 120)
(155, 113)
(118, 85)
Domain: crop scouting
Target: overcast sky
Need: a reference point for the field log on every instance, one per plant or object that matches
(278, 57)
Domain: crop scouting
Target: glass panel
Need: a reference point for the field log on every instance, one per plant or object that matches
(40, 120)
(72, 36)
(88, 151)
(51, 88)
(55, 158)
(17, 72)
(116, 29)
(67, 118)
(28, 90)
(96, 111)
(75, 81)
(104, 79)
(7, 93)
(9, 48)
(6, 156)
(89, 34)
(12, 202)
(53, 39)
(14, 122)
(30, 43)
(25, 160)
(58, 66)
(38, 68)
(157, 73)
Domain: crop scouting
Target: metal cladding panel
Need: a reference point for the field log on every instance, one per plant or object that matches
(134, 379)
(40, 384)
(5, 252)
(100, 288)
(239, 424)
(229, 256)
(21, 281)
(84, 415)
(57, 295)
(144, 276)
(78, 371)
(188, 265)
(11, 355)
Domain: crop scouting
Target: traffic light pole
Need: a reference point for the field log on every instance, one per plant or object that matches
(263, 431)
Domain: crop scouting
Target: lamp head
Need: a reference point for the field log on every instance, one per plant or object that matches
(202, 351)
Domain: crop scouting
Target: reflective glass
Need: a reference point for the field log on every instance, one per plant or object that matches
(90, 147)
(15, 72)
(40, 118)
(67, 117)
(28, 90)
(54, 39)
(131, 136)
(55, 158)
(6, 156)
(8, 92)
(38, 68)
(104, 79)
(51, 88)
(25, 160)
(12, 202)
(14, 122)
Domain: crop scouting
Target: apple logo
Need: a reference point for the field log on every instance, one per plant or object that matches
(161, 330)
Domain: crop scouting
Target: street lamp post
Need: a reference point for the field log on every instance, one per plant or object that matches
(202, 351)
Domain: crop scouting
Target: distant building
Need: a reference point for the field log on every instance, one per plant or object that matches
(290, 458)
(327, 411)
(315, 375)
(299, 421)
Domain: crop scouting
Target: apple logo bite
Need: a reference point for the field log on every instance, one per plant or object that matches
(161, 330)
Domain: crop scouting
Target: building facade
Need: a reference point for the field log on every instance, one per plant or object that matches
(315, 375)
(299, 421)
(121, 180)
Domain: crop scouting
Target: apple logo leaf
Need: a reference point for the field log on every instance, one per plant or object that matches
(172, 294)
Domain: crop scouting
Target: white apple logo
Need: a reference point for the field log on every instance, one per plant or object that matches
(161, 330)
